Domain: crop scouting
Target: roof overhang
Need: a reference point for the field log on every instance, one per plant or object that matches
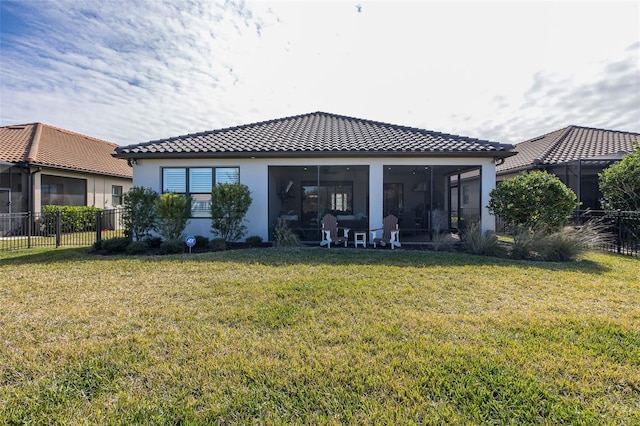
(316, 154)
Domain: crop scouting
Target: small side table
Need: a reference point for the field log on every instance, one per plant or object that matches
(360, 238)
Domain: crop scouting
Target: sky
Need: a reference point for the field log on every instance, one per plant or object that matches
(130, 71)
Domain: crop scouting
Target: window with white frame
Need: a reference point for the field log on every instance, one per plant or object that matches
(116, 195)
(196, 183)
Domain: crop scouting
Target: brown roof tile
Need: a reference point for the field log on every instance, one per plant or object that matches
(317, 133)
(49, 146)
(569, 144)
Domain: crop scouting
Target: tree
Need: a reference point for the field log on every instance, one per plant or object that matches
(620, 183)
(537, 200)
(172, 211)
(139, 216)
(229, 204)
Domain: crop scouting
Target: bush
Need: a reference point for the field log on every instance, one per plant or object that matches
(217, 244)
(172, 214)
(115, 245)
(571, 242)
(283, 236)
(475, 242)
(202, 241)
(620, 184)
(537, 200)
(174, 246)
(72, 218)
(137, 247)
(139, 215)
(561, 246)
(153, 242)
(442, 241)
(254, 241)
(229, 204)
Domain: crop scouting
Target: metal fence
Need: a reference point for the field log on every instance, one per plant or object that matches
(621, 229)
(26, 230)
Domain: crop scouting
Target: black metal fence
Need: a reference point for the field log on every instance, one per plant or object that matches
(621, 229)
(26, 230)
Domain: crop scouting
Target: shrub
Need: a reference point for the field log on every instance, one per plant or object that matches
(571, 242)
(172, 213)
(72, 218)
(283, 236)
(561, 246)
(442, 241)
(537, 200)
(137, 247)
(153, 242)
(254, 241)
(202, 241)
(229, 204)
(139, 216)
(115, 245)
(526, 244)
(218, 244)
(174, 246)
(475, 242)
(620, 183)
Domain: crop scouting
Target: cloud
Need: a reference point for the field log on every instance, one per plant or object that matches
(154, 66)
(608, 98)
(132, 71)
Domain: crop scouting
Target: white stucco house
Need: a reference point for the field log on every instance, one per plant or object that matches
(299, 168)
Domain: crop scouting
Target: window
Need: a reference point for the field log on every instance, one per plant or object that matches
(196, 183)
(116, 195)
(63, 191)
(336, 197)
(465, 194)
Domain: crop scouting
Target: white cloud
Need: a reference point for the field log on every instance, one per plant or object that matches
(133, 71)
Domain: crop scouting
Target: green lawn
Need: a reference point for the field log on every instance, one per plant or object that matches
(281, 336)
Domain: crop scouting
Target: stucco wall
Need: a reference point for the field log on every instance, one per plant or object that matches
(254, 173)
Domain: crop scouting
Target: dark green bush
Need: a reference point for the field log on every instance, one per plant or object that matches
(153, 242)
(137, 247)
(229, 204)
(172, 247)
(139, 212)
(217, 244)
(115, 245)
(172, 214)
(537, 200)
(202, 241)
(73, 218)
(254, 241)
(620, 183)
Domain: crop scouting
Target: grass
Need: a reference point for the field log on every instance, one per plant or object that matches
(310, 335)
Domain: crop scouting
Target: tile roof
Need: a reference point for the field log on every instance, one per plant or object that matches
(569, 144)
(314, 134)
(48, 146)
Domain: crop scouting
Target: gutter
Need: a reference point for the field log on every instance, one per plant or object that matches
(315, 154)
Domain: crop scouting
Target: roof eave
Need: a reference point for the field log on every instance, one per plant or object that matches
(313, 154)
(74, 170)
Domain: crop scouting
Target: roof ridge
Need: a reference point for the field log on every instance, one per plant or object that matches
(604, 130)
(35, 143)
(565, 131)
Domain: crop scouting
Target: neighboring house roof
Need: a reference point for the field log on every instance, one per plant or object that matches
(316, 134)
(569, 144)
(43, 145)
